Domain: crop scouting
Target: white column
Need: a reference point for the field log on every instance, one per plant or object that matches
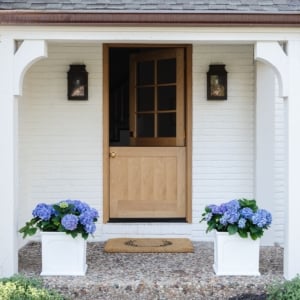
(8, 170)
(265, 140)
(292, 235)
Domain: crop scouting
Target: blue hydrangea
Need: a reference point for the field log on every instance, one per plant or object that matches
(69, 222)
(237, 216)
(268, 217)
(43, 211)
(94, 213)
(223, 221)
(232, 205)
(242, 223)
(81, 206)
(231, 216)
(223, 208)
(81, 213)
(247, 212)
(215, 209)
(86, 217)
(262, 218)
(70, 216)
(90, 228)
(230, 212)
(68, 201)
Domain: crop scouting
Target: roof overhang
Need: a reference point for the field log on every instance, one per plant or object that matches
(149, 18)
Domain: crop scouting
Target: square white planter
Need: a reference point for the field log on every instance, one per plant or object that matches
(234, 255)
(62, 254)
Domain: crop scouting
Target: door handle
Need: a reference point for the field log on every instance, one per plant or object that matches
(112, 154)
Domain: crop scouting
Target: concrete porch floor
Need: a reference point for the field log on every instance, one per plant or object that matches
(154, 276)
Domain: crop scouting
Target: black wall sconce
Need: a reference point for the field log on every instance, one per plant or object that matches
(77, 83)
(217, 82)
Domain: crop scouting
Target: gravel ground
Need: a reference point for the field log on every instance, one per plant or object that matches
(156, 276)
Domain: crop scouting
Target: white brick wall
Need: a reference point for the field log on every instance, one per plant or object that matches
(61, 140)
(223, 134)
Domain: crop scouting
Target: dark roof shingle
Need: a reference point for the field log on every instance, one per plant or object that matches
(266, 6)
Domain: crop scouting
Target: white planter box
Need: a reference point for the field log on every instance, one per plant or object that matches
(234, 255)
(62, 254)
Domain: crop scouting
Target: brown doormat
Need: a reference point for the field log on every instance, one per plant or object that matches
(144, 245)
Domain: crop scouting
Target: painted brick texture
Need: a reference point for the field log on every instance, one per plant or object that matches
(61, 140)
(223, 133)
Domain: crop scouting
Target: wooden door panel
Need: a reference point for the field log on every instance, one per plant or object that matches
(147, 182)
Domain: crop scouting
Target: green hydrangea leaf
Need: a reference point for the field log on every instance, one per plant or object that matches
(232, 229)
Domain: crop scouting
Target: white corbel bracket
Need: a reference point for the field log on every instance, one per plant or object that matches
(28, 53)
(272, 54)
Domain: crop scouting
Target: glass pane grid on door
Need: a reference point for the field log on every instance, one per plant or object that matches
(156, 98)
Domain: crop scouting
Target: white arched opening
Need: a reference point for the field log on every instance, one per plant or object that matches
(272, 54)
(27, 54)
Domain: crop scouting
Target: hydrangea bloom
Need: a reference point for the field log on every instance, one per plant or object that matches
(247, 212)
(223, 221)
(94, 213)
(71, 216)
(242, 223)
(231, 216)
(215, 209)
(43, 211)
(80, 206)
(237, 216)
(262, 218)
(229, 212)
(222, 208)
(232, 205)
(269, 218)
(69, 222)
(90, 228)
(88, 216)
